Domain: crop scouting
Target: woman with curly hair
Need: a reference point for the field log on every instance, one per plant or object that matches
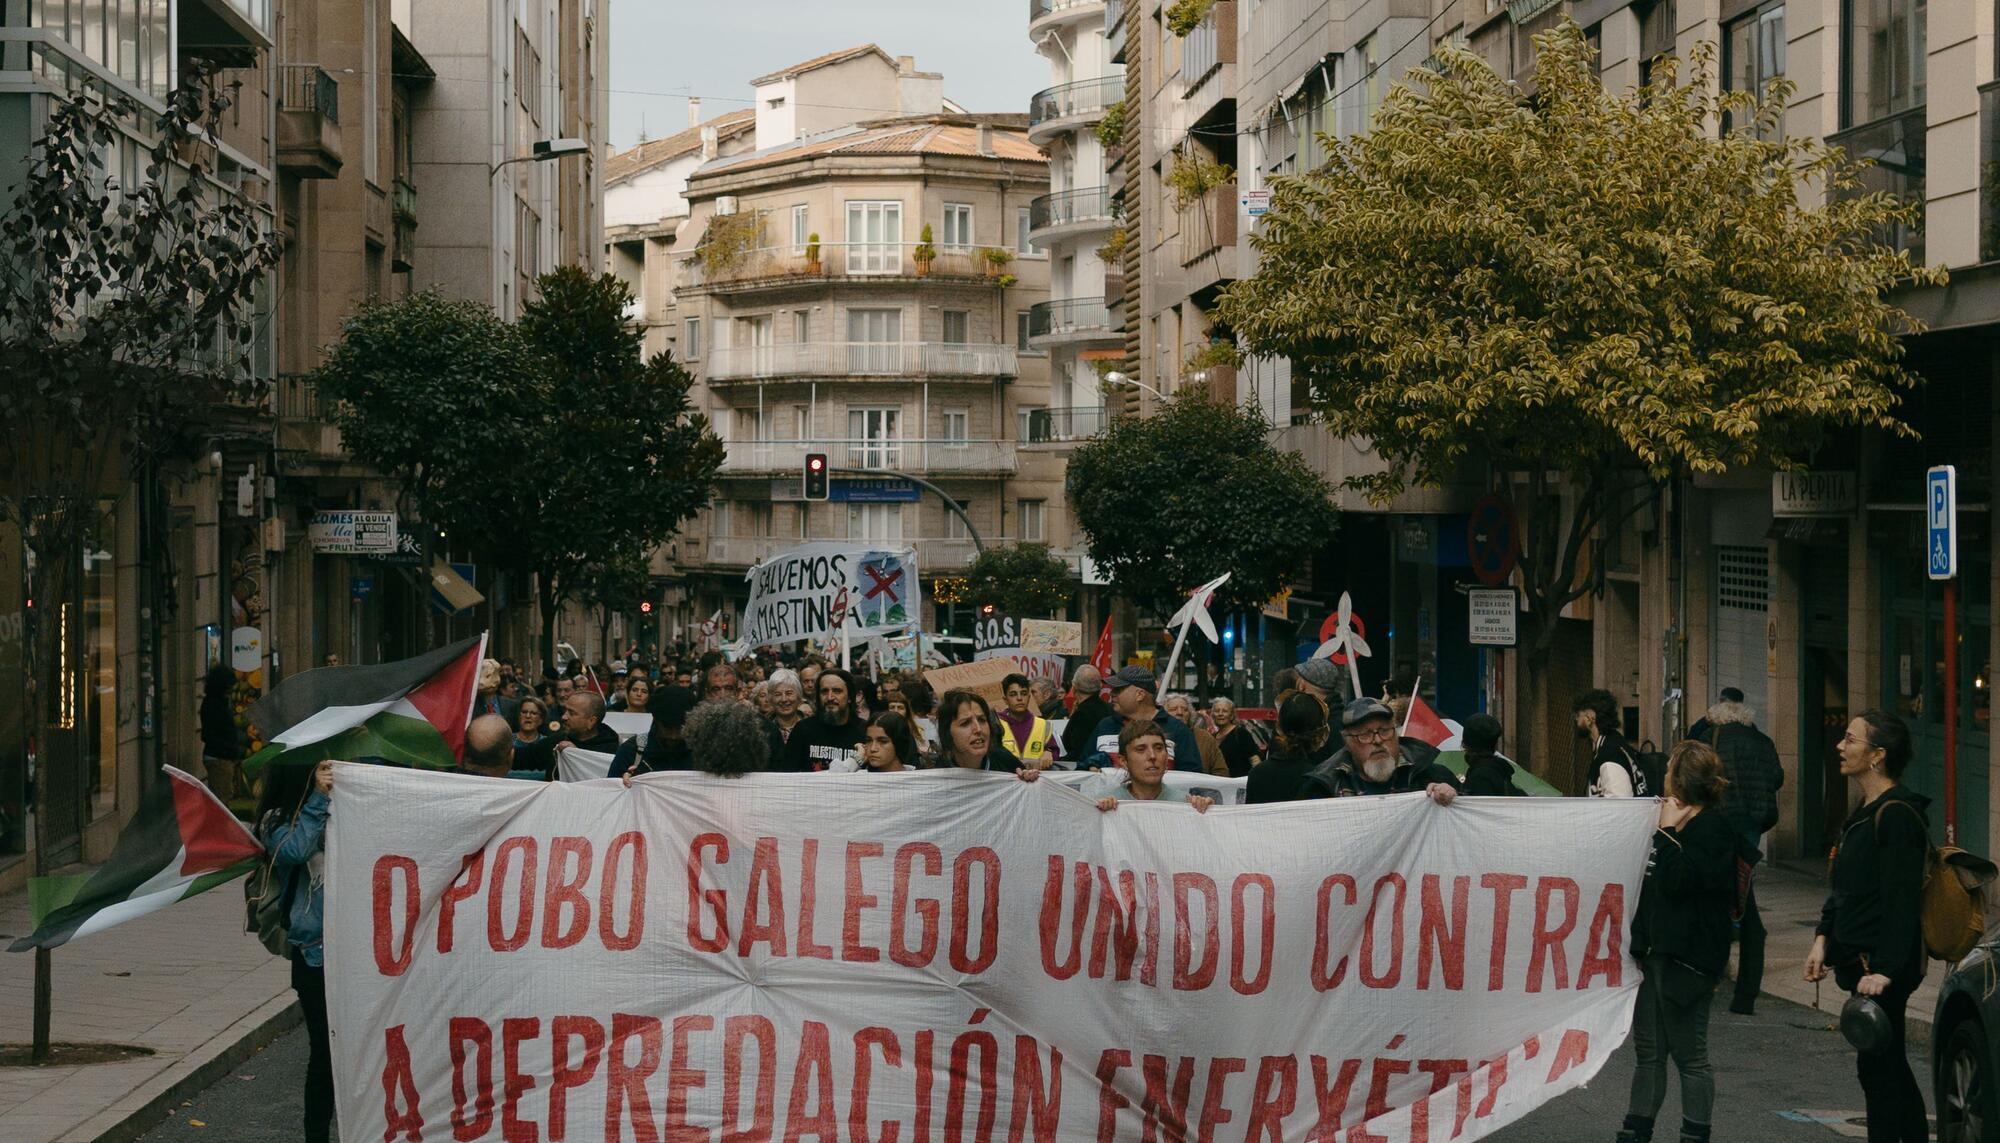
(1302, 735)
(726, 739)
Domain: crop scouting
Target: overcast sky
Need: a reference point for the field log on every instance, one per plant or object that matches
(662, 50)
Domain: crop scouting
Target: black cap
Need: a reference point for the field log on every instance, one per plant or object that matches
(1132, 677)
(1363, 709)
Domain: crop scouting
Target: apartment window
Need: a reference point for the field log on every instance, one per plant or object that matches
(874, 237)
(1656, 36)
(957, 427)
(801, 323)
(874, 521)
(800, 230)
(957, 225)
(758, 513)
(1754, 50)
(527, 247)
(1021, 332)
(954, 524)
(691, 340)
(874, 340)
(1031, 522)
(1021, 244)
(874, 437)
(801, 422)
(1024, 423)
(957, 327)
(751, 345)
(527, 73)
(1884, 67)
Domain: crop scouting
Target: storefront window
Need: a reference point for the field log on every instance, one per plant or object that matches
(13, 682)
(95, 678)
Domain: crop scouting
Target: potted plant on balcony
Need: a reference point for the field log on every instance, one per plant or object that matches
(996, 259)
(925, 253)
(1184, 16)
(813, 267)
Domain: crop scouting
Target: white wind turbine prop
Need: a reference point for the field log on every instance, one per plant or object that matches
(1192, 613)
(1345, 640)
(709, 627)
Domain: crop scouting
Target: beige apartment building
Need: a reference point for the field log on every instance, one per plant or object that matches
(866, 292)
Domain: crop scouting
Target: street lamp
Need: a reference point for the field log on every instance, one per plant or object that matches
(543, 151)
(1116, 378)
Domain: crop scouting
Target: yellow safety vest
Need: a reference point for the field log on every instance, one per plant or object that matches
(1038, 740)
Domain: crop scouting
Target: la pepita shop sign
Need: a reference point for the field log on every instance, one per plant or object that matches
(1810, 492)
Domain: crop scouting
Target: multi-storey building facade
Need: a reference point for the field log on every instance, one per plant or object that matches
(510, 74)
(163, 581)
(864, 293)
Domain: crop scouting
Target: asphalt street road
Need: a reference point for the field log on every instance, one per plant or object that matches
(1782, 1075)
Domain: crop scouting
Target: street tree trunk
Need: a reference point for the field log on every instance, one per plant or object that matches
(545, 596)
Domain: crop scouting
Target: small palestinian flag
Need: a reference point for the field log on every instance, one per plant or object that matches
(182, 841)
(412, 711)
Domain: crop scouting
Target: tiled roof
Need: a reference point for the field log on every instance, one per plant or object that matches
(827, 60)
(928, 135)
(653, 152)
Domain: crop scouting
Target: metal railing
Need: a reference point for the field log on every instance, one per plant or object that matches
(1069, 317)
(861, 359)
(1092, 204)
(1084, 97)
(301, 399)
(307, 87)
(1040, 8)
(404, 201)
(777, 266)
(919, 456)
(934, 553)
(1050, 426)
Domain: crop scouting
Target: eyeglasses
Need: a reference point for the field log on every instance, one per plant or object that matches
(1379, 734)
(1847, 738)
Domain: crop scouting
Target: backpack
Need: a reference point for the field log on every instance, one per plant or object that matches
(267, 902)
(1953, 910)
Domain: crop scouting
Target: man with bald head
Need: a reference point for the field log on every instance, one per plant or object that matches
(489, 747)
(582, 729)
(1088, 709)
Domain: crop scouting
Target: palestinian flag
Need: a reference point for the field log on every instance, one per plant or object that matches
(412, 711)
(181, 842)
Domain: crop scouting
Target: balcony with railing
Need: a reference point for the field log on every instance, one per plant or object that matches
(1086, 211)
(1044, 15)
(934, 554)
(820, 359)
(781, 268)
(944, 457)
(1066, 426)
(1210, 46)
(308, 122)
(1114, 31)
(1208, 226)
(1072, 105)
(1071, 319)
(305, 418)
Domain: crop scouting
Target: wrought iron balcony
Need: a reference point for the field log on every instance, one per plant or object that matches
(1072, 104)
(923, 457)
(861, 359)
(1058, 426)
(308, 121)
(1087, 209)
(1071, 319)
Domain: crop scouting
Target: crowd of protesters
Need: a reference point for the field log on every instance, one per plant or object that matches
(1717, 790)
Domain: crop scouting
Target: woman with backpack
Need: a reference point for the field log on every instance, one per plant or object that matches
(1871, 937)
(1680, 936)
(291, 822)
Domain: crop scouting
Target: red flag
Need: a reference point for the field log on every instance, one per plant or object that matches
(1100, 656)
(1423, 723)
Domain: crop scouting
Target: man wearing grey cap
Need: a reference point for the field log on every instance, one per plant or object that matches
(1133, 691)
(1373, 760)
(1321, 678)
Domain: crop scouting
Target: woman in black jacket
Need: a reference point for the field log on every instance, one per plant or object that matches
(221, 739)
(1871, 929)
(1302, 735)
(1681, 937)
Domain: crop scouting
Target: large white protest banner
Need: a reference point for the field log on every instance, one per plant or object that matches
(958, 955)
(810, 591)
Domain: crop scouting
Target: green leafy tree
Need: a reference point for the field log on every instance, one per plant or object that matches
(615, 585)
(1024, 580)
(1171, 501)
(1587, 291)
(546, 447)
(126, 319)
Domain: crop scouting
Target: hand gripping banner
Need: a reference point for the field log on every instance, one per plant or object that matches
(949, 955)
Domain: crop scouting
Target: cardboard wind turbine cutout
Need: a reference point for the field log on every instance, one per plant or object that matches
(1193, 612)
(1345, 642)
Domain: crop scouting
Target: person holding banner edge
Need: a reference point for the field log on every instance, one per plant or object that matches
(965, 723)
(297, 844)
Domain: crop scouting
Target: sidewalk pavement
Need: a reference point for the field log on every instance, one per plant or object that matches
(1789, 899)
(187, 982)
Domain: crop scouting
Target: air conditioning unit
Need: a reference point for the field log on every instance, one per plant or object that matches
(725, 204)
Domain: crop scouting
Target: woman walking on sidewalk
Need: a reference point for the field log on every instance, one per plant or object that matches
(1871, 930)
(291, 820)
(1681, 937)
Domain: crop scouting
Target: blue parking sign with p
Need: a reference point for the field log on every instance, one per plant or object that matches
(1941, 520)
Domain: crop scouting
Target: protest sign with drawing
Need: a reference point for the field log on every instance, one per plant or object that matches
(963, 955)
(811, 590)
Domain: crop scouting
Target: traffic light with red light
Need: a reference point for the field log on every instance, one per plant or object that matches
(646, 607)
(816, 476)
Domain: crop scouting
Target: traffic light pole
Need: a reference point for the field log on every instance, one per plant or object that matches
(950, 505)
